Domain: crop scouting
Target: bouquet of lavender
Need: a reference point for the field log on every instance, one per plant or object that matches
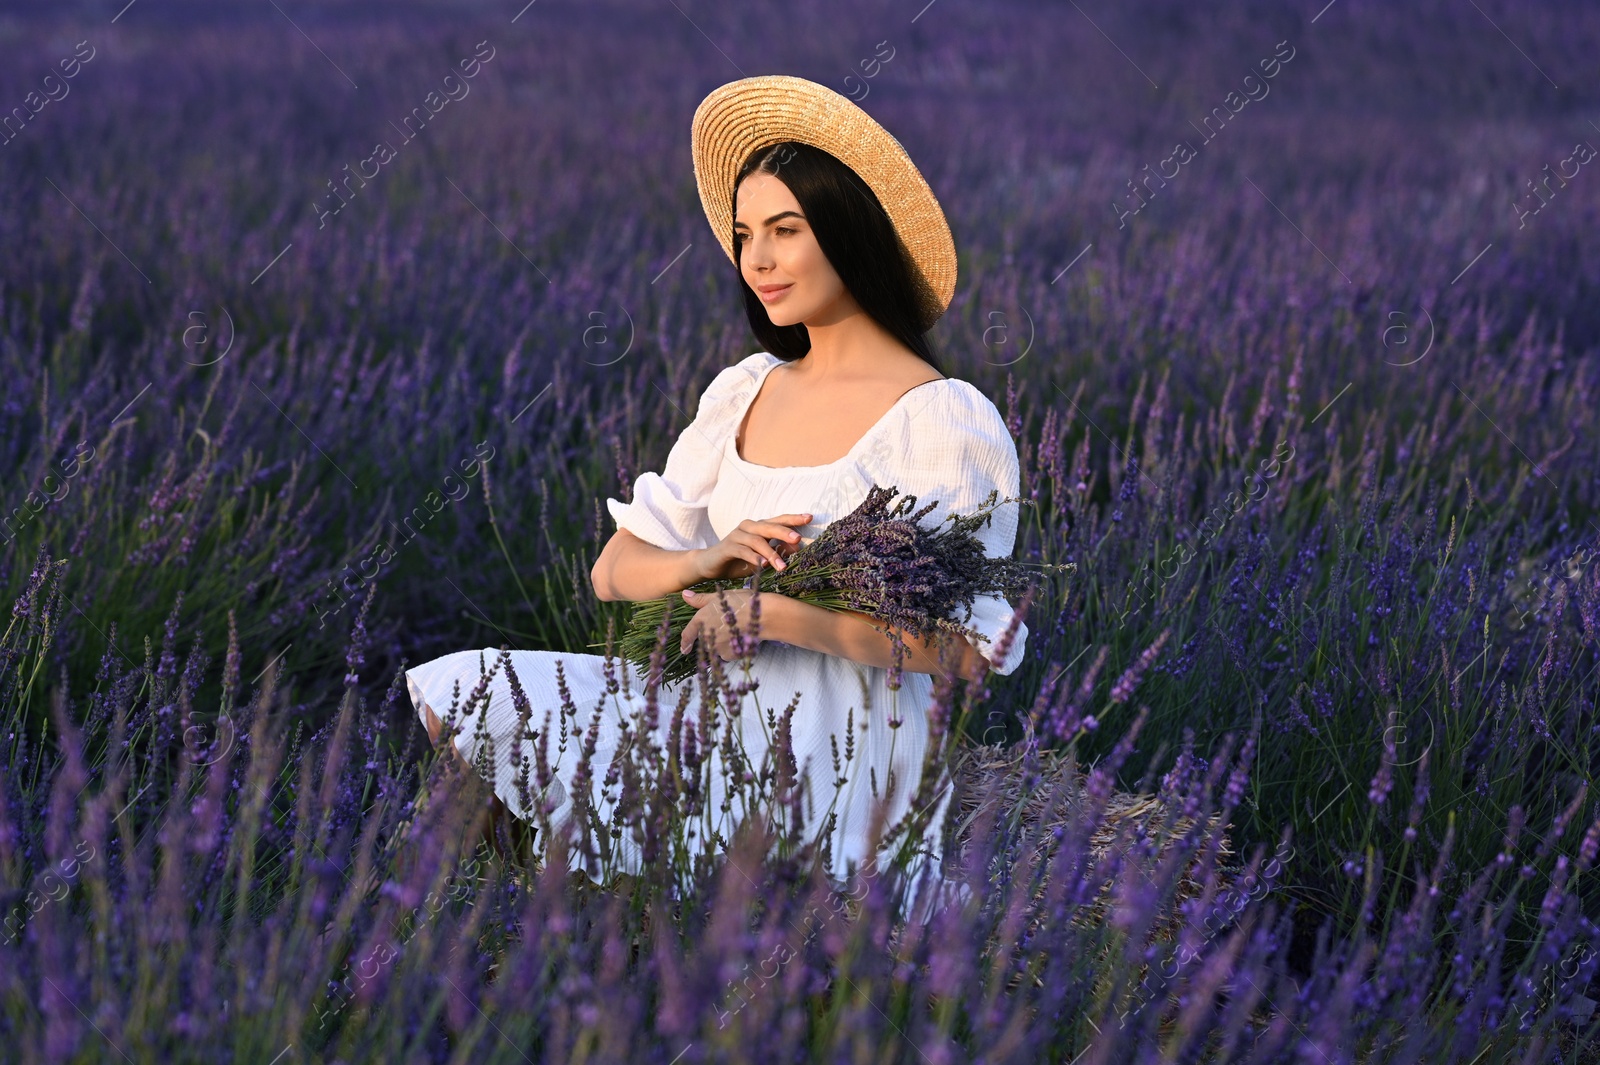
(877, 560)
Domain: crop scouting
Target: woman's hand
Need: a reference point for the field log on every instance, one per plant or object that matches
(710, 624)
(739, 553)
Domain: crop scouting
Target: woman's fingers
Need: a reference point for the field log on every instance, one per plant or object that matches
(788, 538)
(748, 561)
(781, 527)
(761, 548)
(709, 627)
(750, 543)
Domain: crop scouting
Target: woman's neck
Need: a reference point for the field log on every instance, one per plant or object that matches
(846, 347)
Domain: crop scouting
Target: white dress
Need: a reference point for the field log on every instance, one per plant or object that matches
(943, 440)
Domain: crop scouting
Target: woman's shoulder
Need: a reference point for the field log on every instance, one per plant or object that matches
(733, 385)
(752, 367)
(955, 406)
(949, 426)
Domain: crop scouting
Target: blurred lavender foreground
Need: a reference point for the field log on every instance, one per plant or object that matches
(1309, 403)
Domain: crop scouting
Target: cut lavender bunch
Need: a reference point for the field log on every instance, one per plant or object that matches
(877, 560)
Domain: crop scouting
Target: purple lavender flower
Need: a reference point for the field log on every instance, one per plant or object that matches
(877, 560)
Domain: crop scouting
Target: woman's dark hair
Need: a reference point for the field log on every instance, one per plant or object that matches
(854, 232)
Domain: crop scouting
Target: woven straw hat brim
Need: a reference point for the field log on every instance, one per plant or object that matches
(741, 116)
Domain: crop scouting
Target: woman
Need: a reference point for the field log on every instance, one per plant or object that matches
(846, 261)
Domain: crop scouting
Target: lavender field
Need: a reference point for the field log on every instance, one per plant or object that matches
(316, 368)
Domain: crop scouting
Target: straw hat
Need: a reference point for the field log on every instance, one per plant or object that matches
(741, 116)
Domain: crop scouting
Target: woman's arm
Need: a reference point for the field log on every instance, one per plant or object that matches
(629, 568)
(856, 636)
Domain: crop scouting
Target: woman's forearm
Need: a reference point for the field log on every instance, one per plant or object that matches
(857, 636)
(631, 569)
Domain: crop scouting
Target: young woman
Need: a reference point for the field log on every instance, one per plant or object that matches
(846, 261)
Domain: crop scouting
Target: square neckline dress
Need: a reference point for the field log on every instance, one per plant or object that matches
(942, 440)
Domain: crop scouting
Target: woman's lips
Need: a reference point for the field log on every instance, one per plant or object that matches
(768, 296)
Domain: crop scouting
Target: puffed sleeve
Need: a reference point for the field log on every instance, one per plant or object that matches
(669, 508)
(954, 448)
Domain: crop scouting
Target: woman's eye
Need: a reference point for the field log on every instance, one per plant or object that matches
(783, 229)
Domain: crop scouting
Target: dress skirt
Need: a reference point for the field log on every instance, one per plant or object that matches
(834, 699)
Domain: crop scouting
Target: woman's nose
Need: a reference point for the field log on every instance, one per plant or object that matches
(756, 252)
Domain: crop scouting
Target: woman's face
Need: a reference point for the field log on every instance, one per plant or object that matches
(779, 252)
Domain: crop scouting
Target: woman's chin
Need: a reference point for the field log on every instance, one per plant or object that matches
(787, 312)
